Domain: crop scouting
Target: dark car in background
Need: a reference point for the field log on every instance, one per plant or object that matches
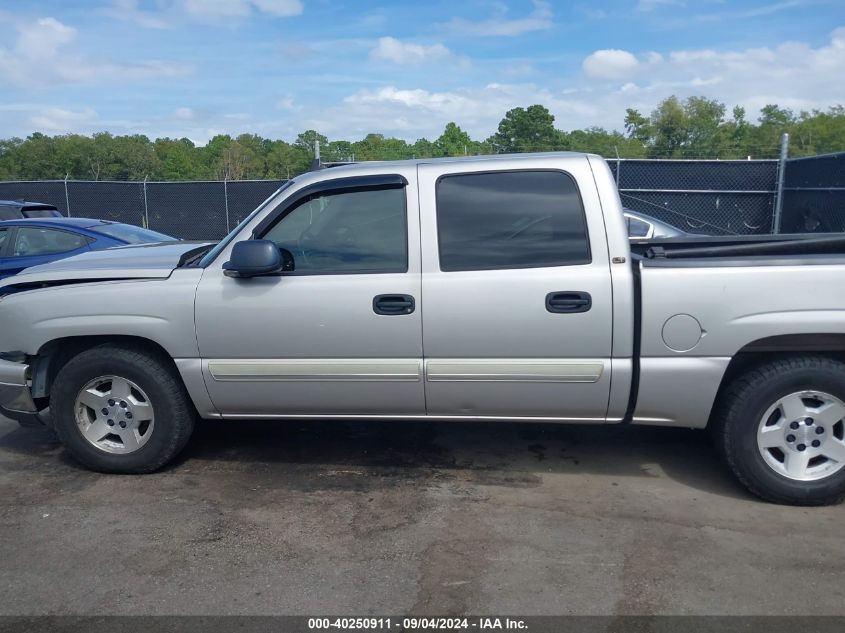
(30, 242)
(20, 209)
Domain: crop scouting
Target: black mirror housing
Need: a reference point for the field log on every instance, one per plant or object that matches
(252, 258)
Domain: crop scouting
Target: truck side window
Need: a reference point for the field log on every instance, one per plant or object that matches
(346, 232)
(517, 219)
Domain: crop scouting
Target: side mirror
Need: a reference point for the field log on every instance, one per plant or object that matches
(252, 258)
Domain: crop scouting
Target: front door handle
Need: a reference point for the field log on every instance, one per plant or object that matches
(393, 304)
(568, 302)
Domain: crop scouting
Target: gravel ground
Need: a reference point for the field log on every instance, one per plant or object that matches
(392, 518)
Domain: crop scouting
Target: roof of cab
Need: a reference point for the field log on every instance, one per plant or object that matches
(459, 159)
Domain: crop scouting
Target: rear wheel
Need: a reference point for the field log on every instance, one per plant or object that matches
(121, 410)
(781, 427)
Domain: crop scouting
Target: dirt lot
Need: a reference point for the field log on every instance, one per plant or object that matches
(392, 518)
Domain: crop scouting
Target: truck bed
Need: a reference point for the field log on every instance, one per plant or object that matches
(692, 247)
(701, 299)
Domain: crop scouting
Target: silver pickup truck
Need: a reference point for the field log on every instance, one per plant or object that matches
(482, 288)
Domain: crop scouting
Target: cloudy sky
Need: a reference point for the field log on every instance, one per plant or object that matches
(197, 68)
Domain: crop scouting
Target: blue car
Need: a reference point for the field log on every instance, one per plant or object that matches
(25, 243)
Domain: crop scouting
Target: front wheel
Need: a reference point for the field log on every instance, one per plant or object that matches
(121, 410)
(781, 427)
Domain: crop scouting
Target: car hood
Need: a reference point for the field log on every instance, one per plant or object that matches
(142, 261)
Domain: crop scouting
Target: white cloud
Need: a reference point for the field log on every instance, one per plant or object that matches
(220, 9)
(411, 113)
(281, 8)
(62, 121)
(610, 63)
(749, 13)
(793, 75)
(41, 55)
(501, 25)
(129, 11)
(170, 11)
(651, 5)
(287, 103)
(184, 114)
(392, 50)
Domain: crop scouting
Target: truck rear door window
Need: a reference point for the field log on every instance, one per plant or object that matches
(516, 219)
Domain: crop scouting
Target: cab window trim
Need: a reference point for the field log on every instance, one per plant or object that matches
(341, 185)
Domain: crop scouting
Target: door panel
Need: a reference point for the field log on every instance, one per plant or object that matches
(493, 346)
(313, 344)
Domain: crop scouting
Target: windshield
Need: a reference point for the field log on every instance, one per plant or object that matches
(131, 234)
(213, 253)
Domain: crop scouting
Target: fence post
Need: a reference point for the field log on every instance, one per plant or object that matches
(784, 154)
(618, 165)
(226, 202)
(67, 197)
(146, 210)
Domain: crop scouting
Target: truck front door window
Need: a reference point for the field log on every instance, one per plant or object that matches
(349, 232)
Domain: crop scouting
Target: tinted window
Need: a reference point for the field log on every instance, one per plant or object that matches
(42, 213)
(131, 234)
(525, 219)
(4, 234)
(361, 231)
(637, 227)
(34, 241)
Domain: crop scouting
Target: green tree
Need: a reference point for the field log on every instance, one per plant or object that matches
(283, 160)
(670, 127)
(695, 127)
(637, 126)
(36, 158)
(705, 134)
(180, 160)
(528, 129)
(423, 148)
(453, 142)
(379, 147)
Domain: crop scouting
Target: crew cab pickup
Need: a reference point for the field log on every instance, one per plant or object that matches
(481, 288)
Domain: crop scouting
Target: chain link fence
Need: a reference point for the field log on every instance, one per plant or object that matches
(814, 194)
(699, 196)
(201, 210)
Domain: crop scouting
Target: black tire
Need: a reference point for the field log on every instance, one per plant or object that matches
(173, 410)
(739, 412)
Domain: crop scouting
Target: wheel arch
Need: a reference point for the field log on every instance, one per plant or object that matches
(55, 354)
(771, 348)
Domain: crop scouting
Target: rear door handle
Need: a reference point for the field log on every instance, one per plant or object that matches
(568, 302)
(393, 304)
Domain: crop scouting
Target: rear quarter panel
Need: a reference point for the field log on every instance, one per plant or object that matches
(734, 306)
